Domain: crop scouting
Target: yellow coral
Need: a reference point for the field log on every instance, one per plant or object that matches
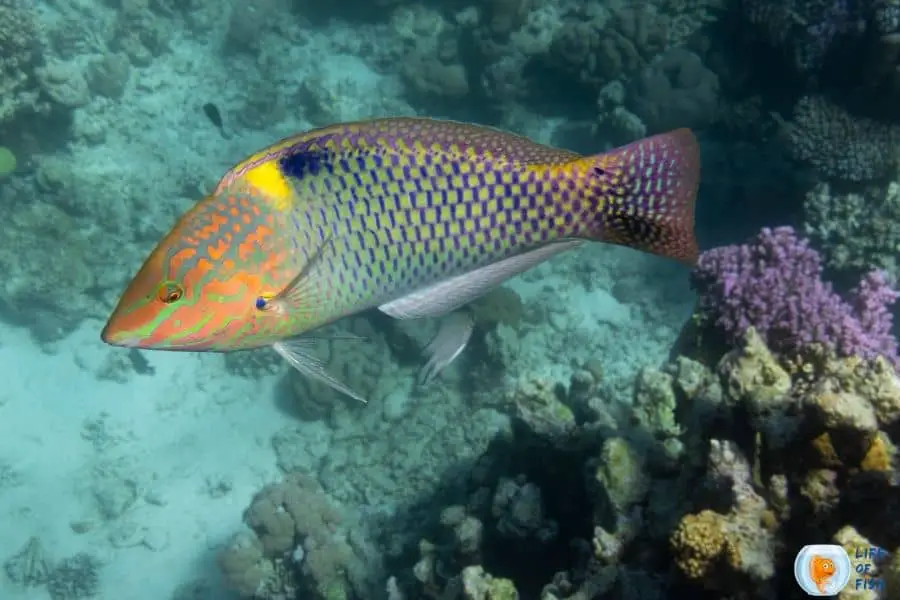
(823, 451)
(879, 455)
(699, 544)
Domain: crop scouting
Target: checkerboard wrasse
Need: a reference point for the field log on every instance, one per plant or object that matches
(413, 216)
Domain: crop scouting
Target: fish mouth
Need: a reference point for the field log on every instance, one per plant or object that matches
(117, 338)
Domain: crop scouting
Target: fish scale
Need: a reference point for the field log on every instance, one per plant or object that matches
(430, 214)
(414, 216)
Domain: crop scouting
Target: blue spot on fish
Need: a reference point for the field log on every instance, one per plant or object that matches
(304, 161)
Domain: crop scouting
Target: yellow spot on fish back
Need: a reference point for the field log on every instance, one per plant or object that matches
(269, 179)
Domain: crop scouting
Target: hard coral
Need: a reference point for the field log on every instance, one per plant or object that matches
(608, 44)
(676, 90)
(699, 545)
(283, 513)
(840, 145)
(297, 532)
(804, 30)
(244, 567)
(857, 230)
(42, 288)
(774, 284)
(19, 57)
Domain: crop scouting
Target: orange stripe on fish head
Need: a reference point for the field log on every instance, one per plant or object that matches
(198, 288)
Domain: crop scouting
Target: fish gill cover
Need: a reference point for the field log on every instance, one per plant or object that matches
(608, 432)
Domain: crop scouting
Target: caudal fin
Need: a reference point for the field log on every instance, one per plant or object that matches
(643, 195)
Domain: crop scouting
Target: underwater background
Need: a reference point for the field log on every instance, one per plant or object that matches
(620, 427)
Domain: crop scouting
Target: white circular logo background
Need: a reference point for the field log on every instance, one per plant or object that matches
(842, 569)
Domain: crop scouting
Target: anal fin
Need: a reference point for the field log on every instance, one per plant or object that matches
(448, 343)
(446, 296)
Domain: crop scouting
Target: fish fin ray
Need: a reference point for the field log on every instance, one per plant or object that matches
(446, 296)
(643, 195)
(296, 353)
(308, 290)
(447, 344)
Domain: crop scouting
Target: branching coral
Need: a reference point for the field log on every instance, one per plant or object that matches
(856, 230)
(840, 145)
(774, 284)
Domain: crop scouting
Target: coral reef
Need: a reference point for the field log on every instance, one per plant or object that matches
(856, 230)
(841, 146)
(20, 49)
(696, 461)
(676, 90)
(295, 546)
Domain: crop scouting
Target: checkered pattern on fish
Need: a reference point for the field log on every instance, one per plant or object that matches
(401, 215)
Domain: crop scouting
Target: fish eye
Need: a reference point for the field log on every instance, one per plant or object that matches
(170, 292)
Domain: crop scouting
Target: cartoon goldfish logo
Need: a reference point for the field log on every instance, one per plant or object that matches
(821, 570)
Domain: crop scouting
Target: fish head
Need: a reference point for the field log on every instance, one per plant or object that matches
(200, 288)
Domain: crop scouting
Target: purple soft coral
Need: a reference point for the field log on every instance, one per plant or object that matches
(774, 284)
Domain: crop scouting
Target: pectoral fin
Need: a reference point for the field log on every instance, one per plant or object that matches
(308, 291)
(445, 297)
(297, 353)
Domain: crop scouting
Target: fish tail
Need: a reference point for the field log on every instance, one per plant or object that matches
(642, 195)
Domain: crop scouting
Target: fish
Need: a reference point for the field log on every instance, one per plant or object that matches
(413, 216)
(215, 116)
(821, 570)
